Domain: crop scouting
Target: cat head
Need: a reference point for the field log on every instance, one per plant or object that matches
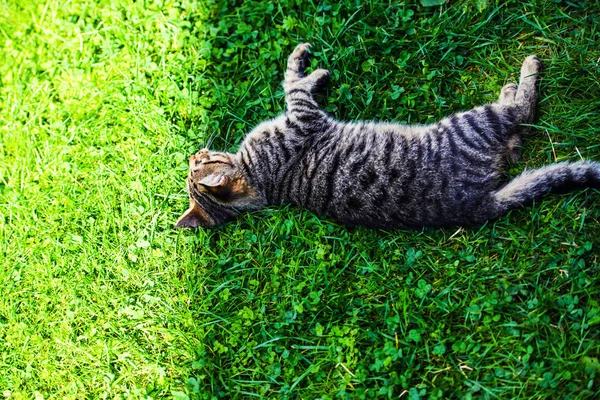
(218, 190)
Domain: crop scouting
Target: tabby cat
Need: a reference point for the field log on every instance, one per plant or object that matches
(380, 175)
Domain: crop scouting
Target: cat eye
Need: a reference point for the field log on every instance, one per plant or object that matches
(200, 164)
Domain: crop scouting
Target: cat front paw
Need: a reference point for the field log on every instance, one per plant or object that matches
(298, 59)
(301, 51)
(320, 78)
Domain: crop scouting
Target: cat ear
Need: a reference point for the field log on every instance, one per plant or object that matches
(192, 218)
(227, 188)
(214, 180)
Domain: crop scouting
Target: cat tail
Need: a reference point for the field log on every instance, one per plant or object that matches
(531, 185)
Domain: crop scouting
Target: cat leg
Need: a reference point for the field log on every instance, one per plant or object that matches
(304, 113)
(521, 101)
(513, 145)
(513, 148)
(526, 97)
(507, 94)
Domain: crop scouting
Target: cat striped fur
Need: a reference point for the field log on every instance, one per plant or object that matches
(380, 175)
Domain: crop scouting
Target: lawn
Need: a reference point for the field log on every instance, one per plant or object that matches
(101, 104)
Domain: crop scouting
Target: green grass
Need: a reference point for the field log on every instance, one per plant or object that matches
(102, 102)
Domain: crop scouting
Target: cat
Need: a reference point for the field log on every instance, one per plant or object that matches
(380, 175)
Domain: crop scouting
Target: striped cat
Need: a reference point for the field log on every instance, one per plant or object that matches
(380, 175)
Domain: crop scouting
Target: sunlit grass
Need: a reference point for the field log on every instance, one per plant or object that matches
(102, 102)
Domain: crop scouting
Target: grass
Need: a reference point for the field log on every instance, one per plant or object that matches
(102, 102)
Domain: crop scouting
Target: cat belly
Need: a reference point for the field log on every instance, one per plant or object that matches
(386, 179)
